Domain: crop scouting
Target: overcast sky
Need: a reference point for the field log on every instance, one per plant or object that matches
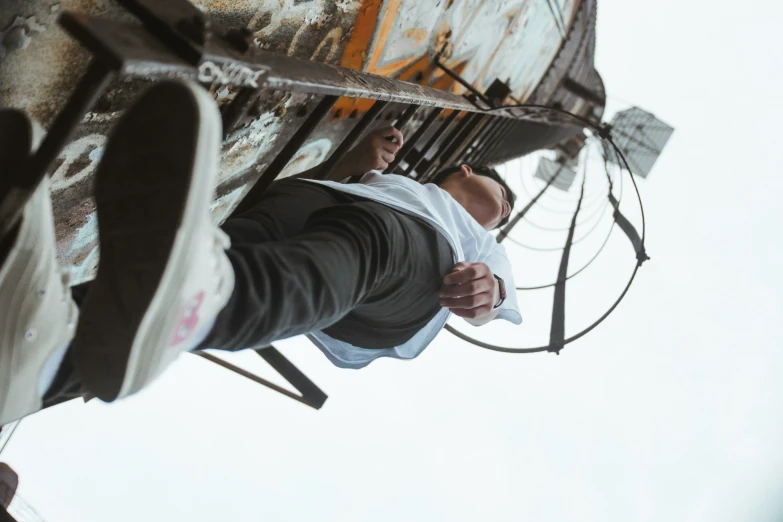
(670, 410)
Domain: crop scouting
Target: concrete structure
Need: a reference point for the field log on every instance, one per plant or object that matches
(543, 49)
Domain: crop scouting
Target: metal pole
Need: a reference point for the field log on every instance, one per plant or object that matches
(350, 140)
(452, 151)
(406, 116)
(489, 125)
(498, 140)
(445, 146)
(480, 95)
(411, 142)
(557, 330)
(312, 395)
(470, 133)
(255, 378)
(490, 140)
(431, 143)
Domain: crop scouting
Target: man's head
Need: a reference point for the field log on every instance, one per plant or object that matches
(480, 190)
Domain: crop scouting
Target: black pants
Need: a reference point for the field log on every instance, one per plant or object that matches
(311, 258)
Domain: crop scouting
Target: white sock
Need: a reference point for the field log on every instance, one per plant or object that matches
(50, 369)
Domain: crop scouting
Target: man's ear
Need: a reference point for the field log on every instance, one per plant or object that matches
(465, 170)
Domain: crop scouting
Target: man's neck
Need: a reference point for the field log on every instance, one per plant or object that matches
(459, 197)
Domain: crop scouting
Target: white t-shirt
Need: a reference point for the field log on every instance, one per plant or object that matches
(469, 242)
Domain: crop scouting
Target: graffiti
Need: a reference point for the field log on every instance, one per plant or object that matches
(405, 37)
(333, 38)
(85, 270)
(513, 40)
(147, 69)
(81, 252)
(347, 6)
(229, 73)
(78, 161)
(222, 207)
(308, 156)
(243, 150)
(307, 17)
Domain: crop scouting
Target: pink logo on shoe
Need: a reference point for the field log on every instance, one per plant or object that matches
(188, 319)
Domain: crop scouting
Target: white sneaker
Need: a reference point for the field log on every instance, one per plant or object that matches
(163, 274)
(37, 315)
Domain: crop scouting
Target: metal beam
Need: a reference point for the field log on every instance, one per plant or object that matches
(629, 230)
(557, 330)
(133, 51)
(311, 395)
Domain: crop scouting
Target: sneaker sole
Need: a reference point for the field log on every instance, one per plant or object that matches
(19, 136)
(152, 189)
(11, 143)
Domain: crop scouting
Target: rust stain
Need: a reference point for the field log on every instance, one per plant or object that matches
(417, 34)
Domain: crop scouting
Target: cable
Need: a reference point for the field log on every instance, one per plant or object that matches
(564, 229)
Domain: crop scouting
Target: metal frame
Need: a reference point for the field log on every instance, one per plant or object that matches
(557, 334)
(174, 41)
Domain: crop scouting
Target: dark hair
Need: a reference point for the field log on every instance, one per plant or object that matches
(444, 173)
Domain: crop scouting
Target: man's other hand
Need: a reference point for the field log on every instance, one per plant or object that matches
(374, 152)
(470, 291)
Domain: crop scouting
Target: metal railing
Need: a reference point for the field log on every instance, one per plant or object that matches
(175, 41)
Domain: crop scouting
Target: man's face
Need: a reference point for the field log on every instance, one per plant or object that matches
(484, 198)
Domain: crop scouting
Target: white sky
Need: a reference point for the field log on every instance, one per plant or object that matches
(670, 410)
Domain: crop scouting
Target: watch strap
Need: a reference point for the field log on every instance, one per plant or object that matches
(502, 288)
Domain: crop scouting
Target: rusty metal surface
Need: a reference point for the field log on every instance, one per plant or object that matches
(514, 40)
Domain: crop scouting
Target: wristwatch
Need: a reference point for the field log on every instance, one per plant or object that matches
(502, 287)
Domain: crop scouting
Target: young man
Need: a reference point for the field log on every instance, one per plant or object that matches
(369, 269)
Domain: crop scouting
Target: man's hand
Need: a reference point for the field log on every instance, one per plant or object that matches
(374, 152)
(471, 291)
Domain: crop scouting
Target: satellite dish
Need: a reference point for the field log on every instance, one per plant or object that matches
(641, 137)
